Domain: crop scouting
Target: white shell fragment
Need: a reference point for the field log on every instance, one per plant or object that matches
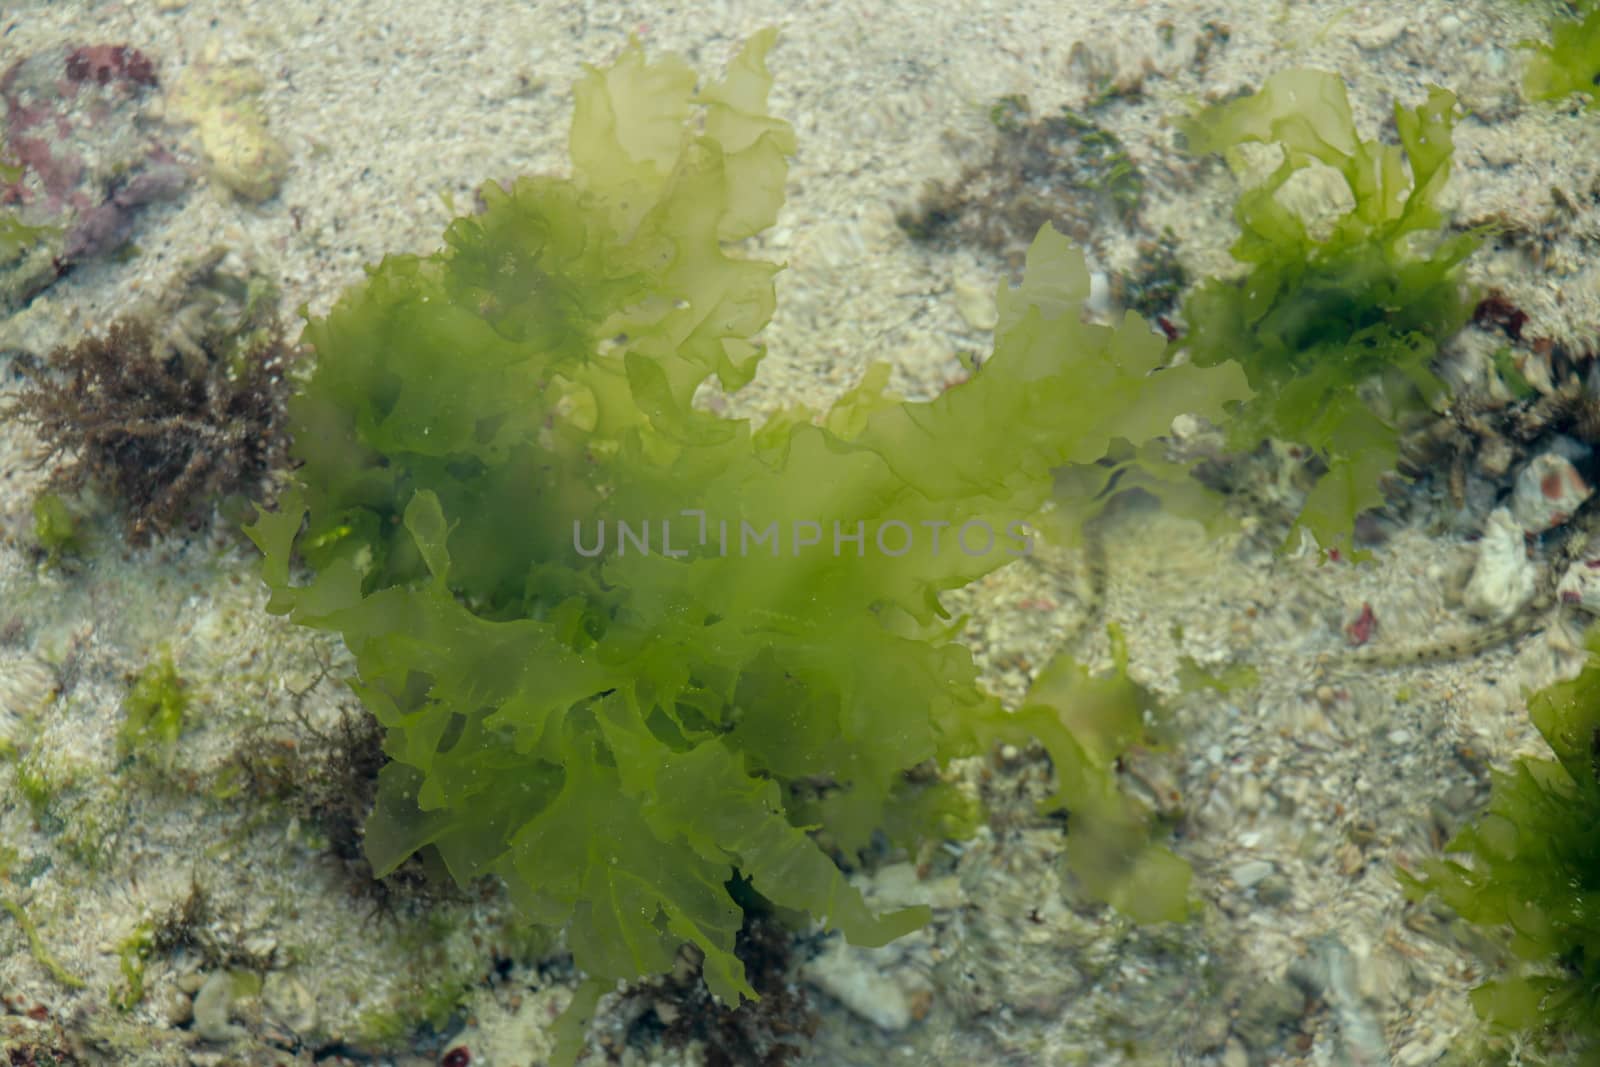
(1503, 579)
(851, 976)
(1549, 492)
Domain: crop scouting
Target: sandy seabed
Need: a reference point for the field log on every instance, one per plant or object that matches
(1301, 792)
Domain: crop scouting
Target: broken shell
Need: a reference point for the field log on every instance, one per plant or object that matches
(1549, 492)
(26, 683)
(1581, 585)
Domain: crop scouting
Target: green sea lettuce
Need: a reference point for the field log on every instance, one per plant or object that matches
(1335, 325)
(608, 633)
(1570, 61)
(1534, 872)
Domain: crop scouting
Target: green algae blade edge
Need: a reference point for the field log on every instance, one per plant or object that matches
(41, 955)
(1086, 722)
(573, 1022)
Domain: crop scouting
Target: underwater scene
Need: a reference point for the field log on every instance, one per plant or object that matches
(825, 534)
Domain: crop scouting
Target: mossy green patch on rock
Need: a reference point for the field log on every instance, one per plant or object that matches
(28, 259)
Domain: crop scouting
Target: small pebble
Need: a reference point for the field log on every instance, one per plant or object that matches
(1581, 585)
(213, 1008)
(1249, 873)
(172, 1006)
(1275, 890)
(1422, 1051)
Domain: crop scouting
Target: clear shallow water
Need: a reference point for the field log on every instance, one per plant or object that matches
(1292, 794)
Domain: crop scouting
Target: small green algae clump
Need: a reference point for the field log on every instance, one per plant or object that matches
(617, 728)
(55, 527)
(1535, 872)
(1360, 300)
(153, 712)
(1570, 62)
(36, 946)
(27, 254)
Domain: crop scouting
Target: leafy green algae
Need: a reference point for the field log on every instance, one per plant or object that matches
(614, 732)
(1334, 325)
(153, 712)
(1570, 61)
(1535, 872)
